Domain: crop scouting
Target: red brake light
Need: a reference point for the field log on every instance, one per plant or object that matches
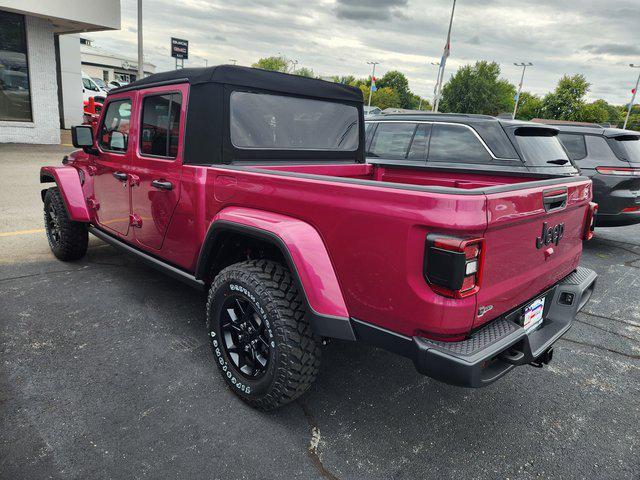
(453, 266)
(625, 171)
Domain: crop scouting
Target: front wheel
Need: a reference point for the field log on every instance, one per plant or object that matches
(68, 239)
(263, 343)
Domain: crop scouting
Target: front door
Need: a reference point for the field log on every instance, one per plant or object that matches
(112, 165)
(157, 162)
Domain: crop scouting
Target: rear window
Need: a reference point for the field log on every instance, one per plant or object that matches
(278, 122)
(541, 147)
(574, 144)
(629, 147)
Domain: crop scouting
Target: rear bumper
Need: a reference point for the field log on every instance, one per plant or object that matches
(496, 348)
(618, 219)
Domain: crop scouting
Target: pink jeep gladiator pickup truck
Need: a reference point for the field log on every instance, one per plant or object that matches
(253, 186)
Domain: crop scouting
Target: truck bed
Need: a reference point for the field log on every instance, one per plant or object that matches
(374, 220)
(404, 176)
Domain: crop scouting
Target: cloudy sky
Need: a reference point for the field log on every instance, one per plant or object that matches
(598, 39)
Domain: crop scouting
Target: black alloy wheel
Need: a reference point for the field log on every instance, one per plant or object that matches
(244, 336)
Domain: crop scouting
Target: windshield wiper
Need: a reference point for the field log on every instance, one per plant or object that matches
(558, 161)
(349, 127)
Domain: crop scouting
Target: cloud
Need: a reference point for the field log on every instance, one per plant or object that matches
(363, 10)
(621, 49)
(338, 37)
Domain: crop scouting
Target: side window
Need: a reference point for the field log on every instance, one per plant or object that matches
(86, 83)
(114, 131)
(599, 149)
(420, 143)
(458, 144)
(160, 125)
(369, 128)
(574, 144)
(391, 140)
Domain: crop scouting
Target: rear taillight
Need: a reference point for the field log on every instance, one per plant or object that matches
(624, 171)
(453, 266)
(630, 209)
(590, 221)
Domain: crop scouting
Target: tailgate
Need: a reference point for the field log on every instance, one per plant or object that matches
(519, 264)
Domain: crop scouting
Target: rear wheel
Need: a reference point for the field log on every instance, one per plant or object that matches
(263, 344)
(68, 239)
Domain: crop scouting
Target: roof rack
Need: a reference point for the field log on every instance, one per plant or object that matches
(547, 121)
(438, 114)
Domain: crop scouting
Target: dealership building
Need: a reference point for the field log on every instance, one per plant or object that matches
(40, 64)
(109, 66)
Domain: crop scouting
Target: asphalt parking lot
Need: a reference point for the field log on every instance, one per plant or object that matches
(106, 373)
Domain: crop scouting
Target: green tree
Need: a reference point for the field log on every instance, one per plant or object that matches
(304, 72)
(382, 98)
(529, 106)
(398, 82)
(596, 112)
(346, 79)
(566, 102)
(478, 89)
(274, 63)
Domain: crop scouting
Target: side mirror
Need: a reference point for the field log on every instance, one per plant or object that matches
(118, 141)
(82, 136)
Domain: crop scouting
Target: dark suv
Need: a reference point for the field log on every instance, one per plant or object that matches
(611, 158)
(464, 141)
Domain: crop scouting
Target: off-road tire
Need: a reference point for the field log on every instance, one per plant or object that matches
(294, 356)
(70, 239)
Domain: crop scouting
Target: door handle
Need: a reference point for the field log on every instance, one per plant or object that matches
(120, 176)
(162, 185)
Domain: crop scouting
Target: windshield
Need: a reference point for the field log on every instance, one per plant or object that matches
(629, 147)
(278, 122)
(543, 149)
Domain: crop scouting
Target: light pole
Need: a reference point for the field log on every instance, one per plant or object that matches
(206, 63)
(435, 88)
(633, 98)
(373, 74)
(140, 55)
(233, 60)
(443, 62)
(524, 68)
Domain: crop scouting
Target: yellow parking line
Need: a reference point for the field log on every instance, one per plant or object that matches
(21, 232)
(66, 145)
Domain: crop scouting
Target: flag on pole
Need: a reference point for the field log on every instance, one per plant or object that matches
(373, 84)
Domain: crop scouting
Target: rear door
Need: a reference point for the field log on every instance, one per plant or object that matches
(157, 162)
(533, 239)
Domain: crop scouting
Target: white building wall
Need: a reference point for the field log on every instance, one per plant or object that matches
(45, 127)
(71, 80)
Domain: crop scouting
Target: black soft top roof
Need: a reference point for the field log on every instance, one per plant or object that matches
(252, 78)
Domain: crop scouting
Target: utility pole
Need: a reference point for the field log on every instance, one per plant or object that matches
(443, 62)
(233, 60)
(435, 88)
(373, 74)
(140, 55)
(206, 63)
(524, 68)
(633, 98)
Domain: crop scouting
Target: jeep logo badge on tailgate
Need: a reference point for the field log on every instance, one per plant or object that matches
(550, 235)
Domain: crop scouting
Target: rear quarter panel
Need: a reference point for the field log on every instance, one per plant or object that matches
(374, 235)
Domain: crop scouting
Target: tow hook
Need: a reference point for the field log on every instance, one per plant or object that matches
(543, 359)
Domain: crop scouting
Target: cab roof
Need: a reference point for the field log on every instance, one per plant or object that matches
(252, 78)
